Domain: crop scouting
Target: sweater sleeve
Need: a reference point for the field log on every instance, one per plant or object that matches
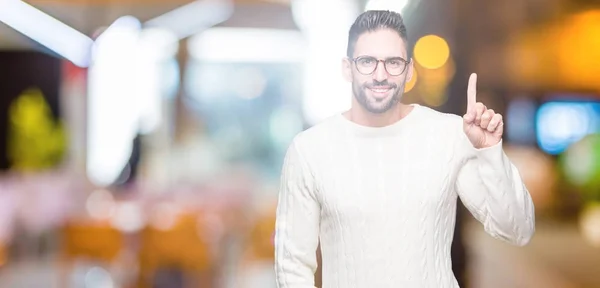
(297, 224)
(491, 188)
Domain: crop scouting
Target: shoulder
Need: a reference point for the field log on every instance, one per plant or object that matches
(442, 125)
(317, 136)
(448, 126)
(308, 146)
(440, 120)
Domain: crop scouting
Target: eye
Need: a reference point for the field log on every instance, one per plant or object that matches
(366, 61)
(394, 62)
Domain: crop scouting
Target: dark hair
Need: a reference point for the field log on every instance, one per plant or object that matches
(374, 20)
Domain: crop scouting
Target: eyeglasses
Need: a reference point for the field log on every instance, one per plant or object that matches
(394, 66)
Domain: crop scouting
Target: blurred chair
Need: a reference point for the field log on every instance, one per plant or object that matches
(256, 265)
(3, 254)
(183, 246)
(95, 241)
(261, 239)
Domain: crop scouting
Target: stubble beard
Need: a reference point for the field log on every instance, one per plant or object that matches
(360, 94)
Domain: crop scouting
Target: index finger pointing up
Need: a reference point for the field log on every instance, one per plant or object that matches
(472, 92)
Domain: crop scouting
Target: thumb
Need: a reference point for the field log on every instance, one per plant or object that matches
(469, 118)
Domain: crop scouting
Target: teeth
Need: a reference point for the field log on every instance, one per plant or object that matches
(380, 90)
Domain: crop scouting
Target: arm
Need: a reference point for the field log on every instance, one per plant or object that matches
(297, 224)
(492, 189)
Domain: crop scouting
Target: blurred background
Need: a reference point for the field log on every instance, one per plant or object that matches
(141, 141)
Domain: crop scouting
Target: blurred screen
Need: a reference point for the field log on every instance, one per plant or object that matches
(520, 121)
(561, 123)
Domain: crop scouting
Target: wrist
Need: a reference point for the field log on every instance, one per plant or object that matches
(485, 146)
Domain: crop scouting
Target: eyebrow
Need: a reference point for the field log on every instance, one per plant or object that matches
(386, 58)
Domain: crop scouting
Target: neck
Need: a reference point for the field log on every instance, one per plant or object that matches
(361, 116)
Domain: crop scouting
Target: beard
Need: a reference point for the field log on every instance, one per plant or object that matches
(377, 106)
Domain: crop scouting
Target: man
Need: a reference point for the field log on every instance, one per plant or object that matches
(378, 184)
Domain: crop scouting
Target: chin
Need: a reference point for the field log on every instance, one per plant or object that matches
(380, 102)
(379, 107)
(375, 105)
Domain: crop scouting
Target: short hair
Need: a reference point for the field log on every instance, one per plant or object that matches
(374, 20)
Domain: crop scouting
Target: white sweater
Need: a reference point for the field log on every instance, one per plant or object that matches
(382, 202)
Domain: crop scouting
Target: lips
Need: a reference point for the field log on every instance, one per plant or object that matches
(380, 91)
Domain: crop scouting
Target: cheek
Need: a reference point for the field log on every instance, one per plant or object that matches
(360, 80)
(399, 81)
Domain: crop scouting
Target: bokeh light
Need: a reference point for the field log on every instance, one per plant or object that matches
(100, 205)
(581, 165)
(392, 5)
(434, 83)
(560, 124)
(579, 50)
(538, 171)
(432, 51)
(411, 84)
(589, 224)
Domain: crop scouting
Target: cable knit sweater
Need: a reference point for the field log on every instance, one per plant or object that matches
(382, 202)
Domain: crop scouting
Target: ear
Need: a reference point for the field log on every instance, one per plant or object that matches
(411, 69)
(347, 69)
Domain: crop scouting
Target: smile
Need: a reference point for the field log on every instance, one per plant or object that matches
(380, 92)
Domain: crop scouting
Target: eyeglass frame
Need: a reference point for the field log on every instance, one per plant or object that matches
(406, 62)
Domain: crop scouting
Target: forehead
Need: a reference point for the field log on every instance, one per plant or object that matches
(381, 43)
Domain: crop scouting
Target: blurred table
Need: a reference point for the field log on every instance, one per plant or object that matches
(557, 257)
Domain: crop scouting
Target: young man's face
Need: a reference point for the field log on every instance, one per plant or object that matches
(376, 88)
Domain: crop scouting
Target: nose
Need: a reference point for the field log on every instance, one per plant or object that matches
(380, 74)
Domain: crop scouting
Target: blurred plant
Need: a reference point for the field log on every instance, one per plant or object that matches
(581, 166)
(35, 140)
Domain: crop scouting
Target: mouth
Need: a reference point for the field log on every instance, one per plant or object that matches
(380, 92)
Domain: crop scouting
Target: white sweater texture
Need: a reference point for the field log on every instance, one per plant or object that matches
(382, 202)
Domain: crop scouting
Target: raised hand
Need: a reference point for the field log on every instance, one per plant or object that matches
(482, 126)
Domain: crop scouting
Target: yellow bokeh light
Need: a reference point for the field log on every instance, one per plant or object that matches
(569, 46)
(411, 84)
(434, 96)
(431, 51)
(434, 83)
(440, 76)
(579, 50)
